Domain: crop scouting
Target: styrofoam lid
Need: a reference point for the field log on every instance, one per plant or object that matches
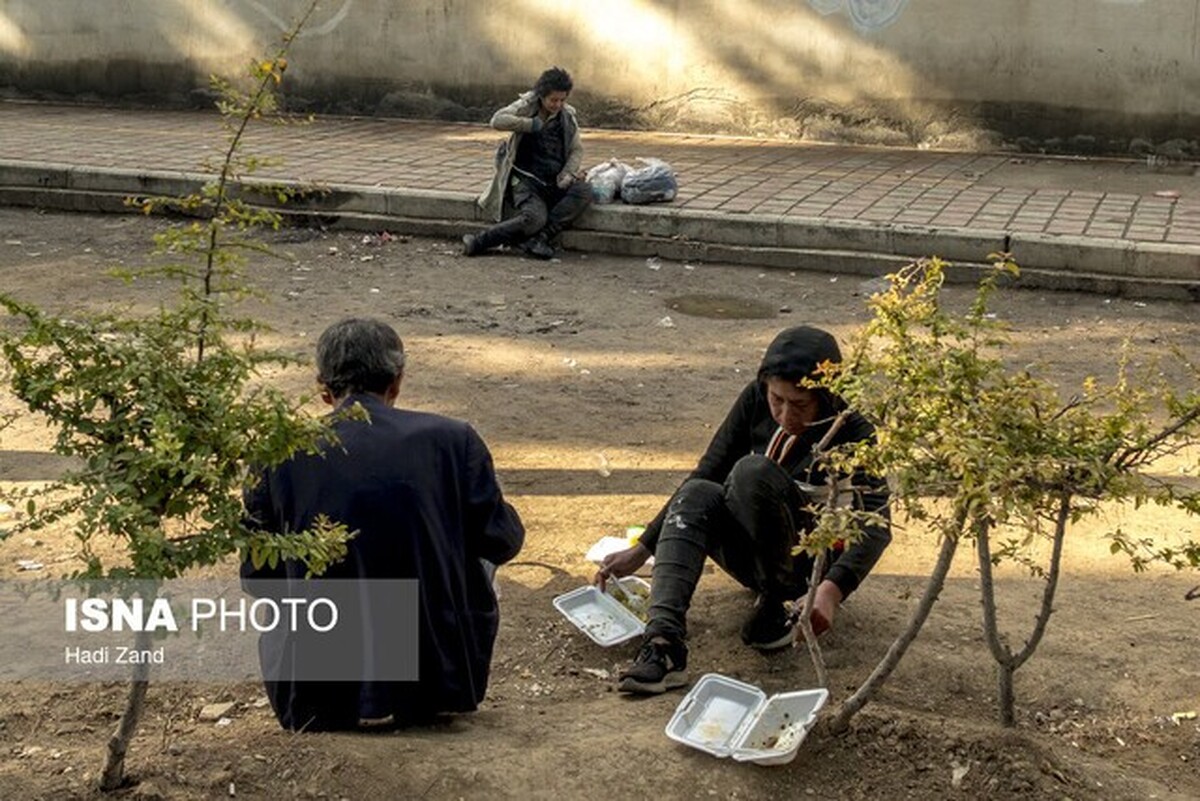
(726, 717)
(779, 727)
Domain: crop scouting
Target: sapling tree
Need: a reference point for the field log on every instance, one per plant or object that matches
(164, 414)
(1069, 457)
(974, 447)
(918, 373)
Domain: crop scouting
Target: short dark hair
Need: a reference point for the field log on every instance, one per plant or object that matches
(357, 355)
(555, 79)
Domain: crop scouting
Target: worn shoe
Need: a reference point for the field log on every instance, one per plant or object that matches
(538, 247)
(471, 245)
(768, 629)
(660, 665)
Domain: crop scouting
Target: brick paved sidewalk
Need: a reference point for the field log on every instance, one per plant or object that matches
(1009, 194)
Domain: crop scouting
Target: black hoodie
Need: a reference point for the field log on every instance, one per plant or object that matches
(796, 353)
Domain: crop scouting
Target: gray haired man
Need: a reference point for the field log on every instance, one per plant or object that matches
(420, 491)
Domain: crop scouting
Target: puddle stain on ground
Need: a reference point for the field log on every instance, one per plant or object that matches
(721, 307)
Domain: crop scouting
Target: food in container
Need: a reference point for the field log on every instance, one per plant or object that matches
(729, 718)
(604, 618)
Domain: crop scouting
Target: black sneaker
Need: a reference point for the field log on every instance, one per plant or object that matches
(660, 665)
(471, 245)
(538, 247)
(768, 629)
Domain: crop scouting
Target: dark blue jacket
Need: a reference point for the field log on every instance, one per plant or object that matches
(421, 492)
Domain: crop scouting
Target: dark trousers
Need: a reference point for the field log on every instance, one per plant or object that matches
(534, 208)
(748, 525)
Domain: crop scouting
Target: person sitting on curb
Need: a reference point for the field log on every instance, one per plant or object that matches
(743, 506)
(538, 188)
(420, 492)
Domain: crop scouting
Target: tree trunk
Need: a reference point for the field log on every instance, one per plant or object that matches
(1001, 653)
(1005, 697)
(818, 569)
(863, 695)
(810, 638)
(1008, 662)
(113, 776)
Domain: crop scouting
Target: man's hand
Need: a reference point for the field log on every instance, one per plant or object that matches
(825, 605)
(621, 563)
(565, 179)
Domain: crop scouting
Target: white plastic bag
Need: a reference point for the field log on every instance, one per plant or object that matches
(605, 180)
(653, 182)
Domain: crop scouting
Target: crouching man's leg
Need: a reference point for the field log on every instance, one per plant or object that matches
(768, 506)
(694, 515)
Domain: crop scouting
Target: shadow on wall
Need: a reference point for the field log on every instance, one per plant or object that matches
(819, 70)
(166, 53)
(780, 73)
(769, 74)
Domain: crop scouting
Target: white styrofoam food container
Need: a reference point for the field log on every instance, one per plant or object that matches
(601, 616)
(729, 718)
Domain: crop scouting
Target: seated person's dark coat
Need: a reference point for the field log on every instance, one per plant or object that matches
(421, 493)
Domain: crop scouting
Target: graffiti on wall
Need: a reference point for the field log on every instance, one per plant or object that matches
(314, 28)
(867, 15)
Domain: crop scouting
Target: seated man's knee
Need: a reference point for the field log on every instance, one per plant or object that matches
(693, 503)
(756, 469)
(532, 220)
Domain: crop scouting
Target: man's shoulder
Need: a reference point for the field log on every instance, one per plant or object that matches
(526, 101)
(416, 420)
(571, 115)
(413, 431)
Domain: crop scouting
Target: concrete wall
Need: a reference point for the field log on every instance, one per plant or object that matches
(904, 71)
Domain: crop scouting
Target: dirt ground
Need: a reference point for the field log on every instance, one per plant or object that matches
(596, 391)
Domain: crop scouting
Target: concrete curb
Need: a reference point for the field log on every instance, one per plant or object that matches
(1108, 266)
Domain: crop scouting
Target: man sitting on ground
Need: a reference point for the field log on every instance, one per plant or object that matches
(743, 506)
(420, 493)
(538, 189)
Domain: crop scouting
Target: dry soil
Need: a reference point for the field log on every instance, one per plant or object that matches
(596, 390)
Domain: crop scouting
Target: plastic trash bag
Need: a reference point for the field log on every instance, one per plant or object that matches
(605, 180)
(652, 183)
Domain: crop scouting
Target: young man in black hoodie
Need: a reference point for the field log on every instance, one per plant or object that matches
(744, 505)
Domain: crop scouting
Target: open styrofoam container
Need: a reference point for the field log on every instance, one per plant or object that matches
(601, 616)
(729, 718)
